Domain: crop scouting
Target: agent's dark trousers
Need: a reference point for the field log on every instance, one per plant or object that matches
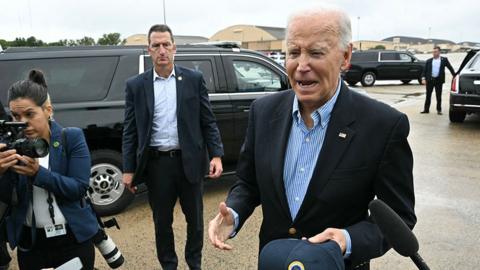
(55, 251)
(433, 83)
(166, 181)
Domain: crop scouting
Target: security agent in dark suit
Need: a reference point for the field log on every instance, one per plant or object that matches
(433, 76)
(315, 156)
(168, 127)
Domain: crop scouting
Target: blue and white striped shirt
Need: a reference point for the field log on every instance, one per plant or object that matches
(303, 149)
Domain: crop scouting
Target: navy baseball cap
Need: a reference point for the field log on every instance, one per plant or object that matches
(295, 254)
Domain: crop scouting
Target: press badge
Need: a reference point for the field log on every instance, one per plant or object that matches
(55, 230)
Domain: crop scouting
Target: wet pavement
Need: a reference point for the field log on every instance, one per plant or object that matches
(447, 187)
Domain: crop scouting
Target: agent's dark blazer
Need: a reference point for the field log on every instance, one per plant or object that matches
(427, 71)
(365, 154)
(68, 178)
(195, 121)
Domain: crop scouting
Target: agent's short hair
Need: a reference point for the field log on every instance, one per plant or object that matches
(160, 28)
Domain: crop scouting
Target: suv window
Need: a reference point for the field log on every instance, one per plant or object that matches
(364, 57)
(405, 57)
(68, 79)
(203, 66)
(389, 57)
(253, 77)
(476, 63)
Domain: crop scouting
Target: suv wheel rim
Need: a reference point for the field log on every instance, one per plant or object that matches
(368, 79)
(106, 185)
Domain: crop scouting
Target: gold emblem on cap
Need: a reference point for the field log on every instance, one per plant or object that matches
(296, 265)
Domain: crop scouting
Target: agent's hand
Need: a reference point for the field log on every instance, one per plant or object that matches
(424, 82)
(216, 168)
(29, 166)
(220, 228)
(330, 234)
(127, 181)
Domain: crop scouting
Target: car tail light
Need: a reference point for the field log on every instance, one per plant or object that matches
(455, 84)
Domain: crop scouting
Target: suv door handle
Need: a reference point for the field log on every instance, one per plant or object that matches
(244, 108)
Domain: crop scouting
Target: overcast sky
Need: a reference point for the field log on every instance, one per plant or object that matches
(51, 20)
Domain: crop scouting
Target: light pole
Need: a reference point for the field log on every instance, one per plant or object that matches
(358, 28)
(164, 14)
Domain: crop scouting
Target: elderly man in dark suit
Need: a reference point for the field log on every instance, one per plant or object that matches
(315, 156)
(168, 127)
(433, 76)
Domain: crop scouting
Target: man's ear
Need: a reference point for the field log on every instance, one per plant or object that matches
(347, 56)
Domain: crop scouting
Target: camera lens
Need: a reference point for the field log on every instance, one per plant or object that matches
(40, 147)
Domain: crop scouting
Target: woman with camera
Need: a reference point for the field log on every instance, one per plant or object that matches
(49, 222)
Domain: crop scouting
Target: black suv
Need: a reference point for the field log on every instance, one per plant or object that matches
(87, 86)
(465, 94)
(368, 66)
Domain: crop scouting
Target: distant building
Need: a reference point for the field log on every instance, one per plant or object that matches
(254, 37)
(141, 39)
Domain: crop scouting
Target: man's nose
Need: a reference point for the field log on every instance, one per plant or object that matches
(303, 63)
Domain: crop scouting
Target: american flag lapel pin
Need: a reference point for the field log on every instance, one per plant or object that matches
(342, 135)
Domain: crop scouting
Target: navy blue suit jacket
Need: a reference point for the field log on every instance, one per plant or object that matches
(365, 154)
(196, 124)
(68, 178)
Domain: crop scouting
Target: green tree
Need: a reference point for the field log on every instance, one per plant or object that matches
(34, 42)
(110, 39)
(379, 47)
(5, 44)
(86, 41)
(18, 42)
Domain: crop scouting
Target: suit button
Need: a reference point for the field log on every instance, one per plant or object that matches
(292, 231)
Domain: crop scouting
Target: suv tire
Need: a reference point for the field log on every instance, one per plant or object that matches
(406, 81)
(456, 116)
(107, 193)
(368, 78)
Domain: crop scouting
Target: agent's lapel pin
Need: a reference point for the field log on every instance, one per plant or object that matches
(342, 135)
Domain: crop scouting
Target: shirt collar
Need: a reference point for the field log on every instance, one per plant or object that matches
(324, 112)
(156, 76)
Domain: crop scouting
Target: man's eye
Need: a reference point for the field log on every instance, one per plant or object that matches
(293, 53)
(317, 53)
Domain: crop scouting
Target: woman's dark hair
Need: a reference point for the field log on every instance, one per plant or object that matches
(34, 88)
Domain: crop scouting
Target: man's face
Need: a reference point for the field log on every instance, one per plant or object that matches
(436, 53)
(162, 50)
(315, 59)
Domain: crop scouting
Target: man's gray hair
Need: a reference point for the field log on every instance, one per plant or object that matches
(343, 21)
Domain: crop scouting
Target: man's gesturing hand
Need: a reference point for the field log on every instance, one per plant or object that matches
(330, 234)
(221, 227)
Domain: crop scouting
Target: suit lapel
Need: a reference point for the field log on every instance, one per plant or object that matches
(56, 148)
(148, 92)
(337, 139)
(279, 128)
(180, 88)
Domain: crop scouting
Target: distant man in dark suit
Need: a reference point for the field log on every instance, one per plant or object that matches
(433, 76)
(315, 156)
(168, 127)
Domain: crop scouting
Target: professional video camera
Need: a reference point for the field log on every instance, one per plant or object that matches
(11, 133)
